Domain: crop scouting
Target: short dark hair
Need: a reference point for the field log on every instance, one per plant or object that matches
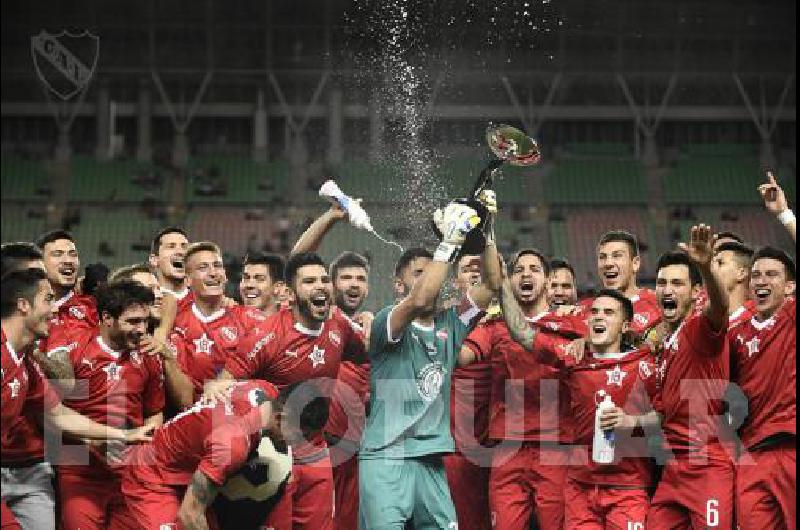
(156, 243)
(53, 235)
(15, 254)
(275, 264)
(561, 263)
(313, 416)
(730, 235)
(127, 272)
(301, 259)
(676, 257)
(621, 236)
(18, 284)
(408, 256)
(627, 305)
(115, 297)
(529, 252)
(348, 259)
(779, 255)
(200, 246)
(742, 251)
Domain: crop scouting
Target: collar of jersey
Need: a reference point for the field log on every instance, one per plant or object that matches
(617, 356)
(106, 348)
(206, 319)
(538, 317)
(763, 325)
(179, 295)
(736, 314)
(423, 328)
(62, 301)
(13, 353)
(306, 331)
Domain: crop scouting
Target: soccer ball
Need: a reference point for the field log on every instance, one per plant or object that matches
(262, 476)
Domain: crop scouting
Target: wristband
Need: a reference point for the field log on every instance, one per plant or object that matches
(787, 217)
(446, 252)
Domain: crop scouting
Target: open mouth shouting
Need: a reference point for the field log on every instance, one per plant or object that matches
(352, 297)
(611, 278)
(763, 295)
(319, 304)
(669, 306)
(177, 265)
(68, 273)
(527, 289)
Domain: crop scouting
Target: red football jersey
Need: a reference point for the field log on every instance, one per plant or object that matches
(693, 373)
(184, 298)
(204, 344)
(630, 379)
(646, 311)
(347, 411)
(470, 402)
(76, 314)
(524, 390)
(765, 367)
(214, 437)
(285, 352)
(25, 442)
(702, 302)
(19, 379)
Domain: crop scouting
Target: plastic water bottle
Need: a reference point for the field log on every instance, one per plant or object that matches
(358, 216)
(604, 441)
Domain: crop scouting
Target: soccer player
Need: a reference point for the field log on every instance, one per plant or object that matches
(468, 468)
(764, 351)
(142, 273)
(19, 256)
(347, 415)
(731, 267)
(414, 348)
(167, 258)
(609, 496)
(304, 343)
(530, 406)
(26, 305)
(696, 489)
(618, 263)
(561, 287)
(173, 481)
(207, 332)
(262, 281)
(116, 386)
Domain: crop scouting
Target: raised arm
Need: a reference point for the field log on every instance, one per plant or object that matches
(314, 234)
(776, 203)
(483, 293)
(198, 498)
(521, 331)
(701, 251)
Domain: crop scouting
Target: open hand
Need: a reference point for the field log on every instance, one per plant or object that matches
(139, 435)
(701, 245)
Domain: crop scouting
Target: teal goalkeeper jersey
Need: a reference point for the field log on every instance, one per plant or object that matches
(410, 385)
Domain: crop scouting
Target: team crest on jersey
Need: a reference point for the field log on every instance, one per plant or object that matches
(335, 338)
(203, 345)
(645, 370)
(616, 376)
(640, 319)
(753, 347)
(442, 334)
(430, 380)
(14, 385)
(77, 312)
(113, 372)
(317, 356)
(263, 341)
(228, 333)
(555, 326)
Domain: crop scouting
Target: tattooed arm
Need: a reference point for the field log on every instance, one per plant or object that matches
(520, 330)
(57, 366)
(198, 498)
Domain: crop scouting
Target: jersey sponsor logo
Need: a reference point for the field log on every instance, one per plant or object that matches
(335, 338)
(228, 333)
(263, 341)
(753, 347)
(430, 380)
(203, 345)
(616, 376)
(14, 385)
(555, 326)
(77, 313)
(317, 356)
(62, 349)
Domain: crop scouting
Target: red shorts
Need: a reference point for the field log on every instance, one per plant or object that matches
(309, 498)
(345, 482)
(469, 488)
(694, 492)
(766, 488)
(527, 478)
(7, 519)
(91, 499)
(155, 507)
(591, 507)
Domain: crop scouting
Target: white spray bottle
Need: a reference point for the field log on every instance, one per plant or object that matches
(604, 441)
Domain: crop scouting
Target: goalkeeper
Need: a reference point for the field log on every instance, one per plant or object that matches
(414, 348)
(172, 481)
